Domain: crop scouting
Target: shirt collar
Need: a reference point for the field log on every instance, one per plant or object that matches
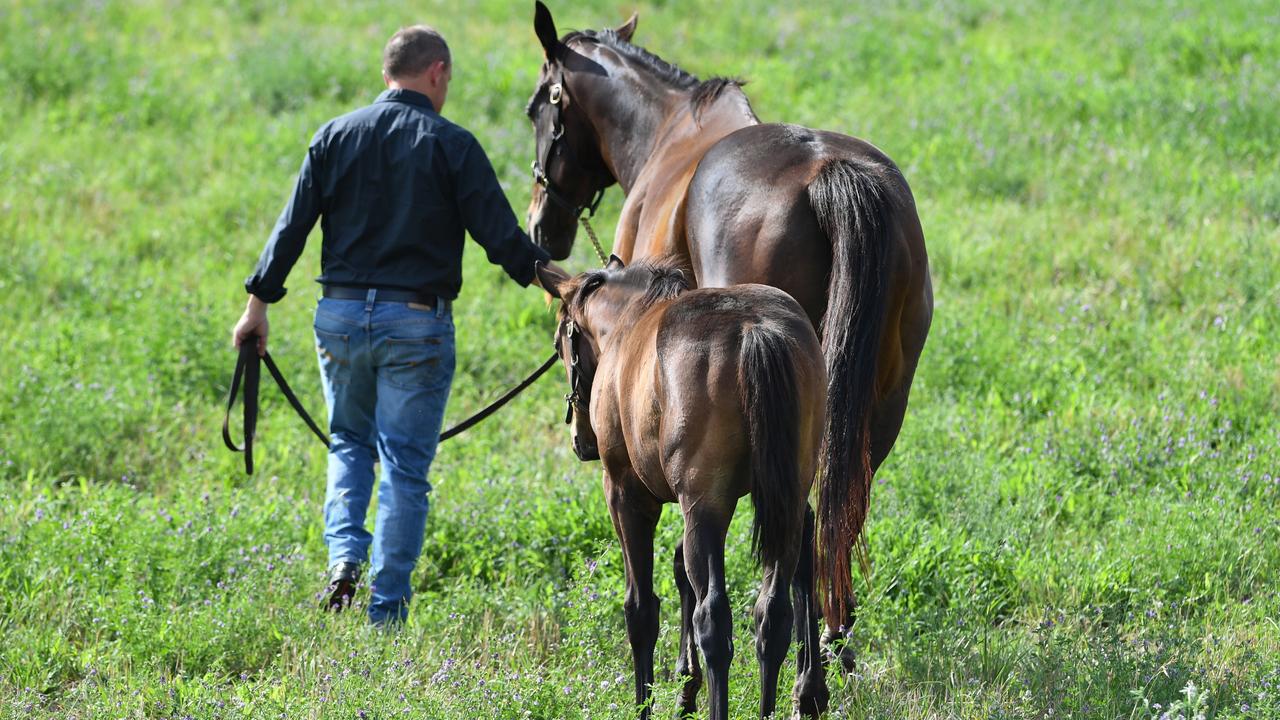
(406, 96)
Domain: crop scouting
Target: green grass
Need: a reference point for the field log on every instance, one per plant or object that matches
(1082, 514)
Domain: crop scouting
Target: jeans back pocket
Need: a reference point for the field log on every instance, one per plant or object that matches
(418, 362)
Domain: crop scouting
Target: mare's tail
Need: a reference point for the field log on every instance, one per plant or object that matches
(772, 410)
(854, 209)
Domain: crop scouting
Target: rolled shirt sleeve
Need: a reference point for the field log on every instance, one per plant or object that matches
(487, 215)
(290, 234)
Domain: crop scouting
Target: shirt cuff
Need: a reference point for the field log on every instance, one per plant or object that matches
(252, 285)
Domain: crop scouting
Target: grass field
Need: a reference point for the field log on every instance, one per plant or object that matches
(1081, 517)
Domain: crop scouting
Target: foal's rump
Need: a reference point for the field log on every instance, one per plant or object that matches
(750, 357)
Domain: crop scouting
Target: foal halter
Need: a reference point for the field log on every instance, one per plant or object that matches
(574, 400)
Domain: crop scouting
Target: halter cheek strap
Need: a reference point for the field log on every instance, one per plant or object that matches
(574, 400)
(555, 96)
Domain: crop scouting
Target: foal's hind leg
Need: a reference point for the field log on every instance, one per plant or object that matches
(687, 664)
(704, 532)
(634, 518)
(774, 620)
(810, 693)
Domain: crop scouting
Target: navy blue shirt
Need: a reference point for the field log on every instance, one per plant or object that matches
(395, 185)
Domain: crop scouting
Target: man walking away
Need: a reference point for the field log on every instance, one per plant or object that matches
(395, 185)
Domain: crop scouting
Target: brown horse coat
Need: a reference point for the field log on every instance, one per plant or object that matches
(826, 217)
(700, 398)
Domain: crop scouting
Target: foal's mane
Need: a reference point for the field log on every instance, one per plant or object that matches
(701, 94)
(666, 280)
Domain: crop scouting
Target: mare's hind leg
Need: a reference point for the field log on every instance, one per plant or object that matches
(687, 664)
(835, 645)
(704, 532)
(810, 693)
(886, 421)
(635, 518)
(774, 621)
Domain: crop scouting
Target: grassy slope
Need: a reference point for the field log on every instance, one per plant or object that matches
(1080, 516)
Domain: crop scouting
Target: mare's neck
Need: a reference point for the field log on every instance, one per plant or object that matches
(635, 115)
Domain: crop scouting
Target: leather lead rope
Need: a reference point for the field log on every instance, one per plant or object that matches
(248, 366)
(493, 407)
(249, 370)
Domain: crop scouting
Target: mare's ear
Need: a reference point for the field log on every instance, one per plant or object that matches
(549, 278)
(545, 27)
(615, 263)
(628, 28)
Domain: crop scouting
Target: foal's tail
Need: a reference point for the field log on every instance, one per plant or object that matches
(772, 410)
(854, 209)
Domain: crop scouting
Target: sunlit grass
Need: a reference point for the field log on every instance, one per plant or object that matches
(1079, 518)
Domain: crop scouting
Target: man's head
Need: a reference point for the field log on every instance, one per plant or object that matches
(417, 58)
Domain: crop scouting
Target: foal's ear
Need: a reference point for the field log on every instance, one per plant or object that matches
(549, 278)
(615, 263)
(545, 27)
(628, 28)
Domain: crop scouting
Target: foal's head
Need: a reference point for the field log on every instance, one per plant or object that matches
(594, 307)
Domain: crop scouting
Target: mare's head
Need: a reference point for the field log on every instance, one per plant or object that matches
(569, 172)
(593, 306)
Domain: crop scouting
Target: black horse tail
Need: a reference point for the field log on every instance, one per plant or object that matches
(772, 411)
(854, 208)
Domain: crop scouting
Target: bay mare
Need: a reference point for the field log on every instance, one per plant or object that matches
(826, 217)
(700, 397)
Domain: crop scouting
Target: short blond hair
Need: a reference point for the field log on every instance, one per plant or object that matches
(412, 50)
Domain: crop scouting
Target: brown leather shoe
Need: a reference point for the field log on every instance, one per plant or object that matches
(341, 590)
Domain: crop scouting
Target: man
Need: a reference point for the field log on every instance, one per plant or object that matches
(395, 185)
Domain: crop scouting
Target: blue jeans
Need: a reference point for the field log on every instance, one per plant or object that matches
(386, 368)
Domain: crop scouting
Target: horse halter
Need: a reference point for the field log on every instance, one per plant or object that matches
(574, 399)
(554, 96)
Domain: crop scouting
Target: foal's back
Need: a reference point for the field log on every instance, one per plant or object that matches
(686, 382)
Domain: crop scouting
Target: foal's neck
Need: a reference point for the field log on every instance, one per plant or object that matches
(614, 326)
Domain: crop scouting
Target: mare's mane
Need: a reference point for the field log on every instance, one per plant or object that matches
(701, 93)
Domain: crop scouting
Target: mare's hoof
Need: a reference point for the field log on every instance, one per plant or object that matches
(688, 706)
(811, 699)
(837, 649)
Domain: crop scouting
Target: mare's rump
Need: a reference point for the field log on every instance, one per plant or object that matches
(816, 214)
(748, 217)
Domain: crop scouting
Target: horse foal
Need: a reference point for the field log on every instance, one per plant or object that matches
(700, 397)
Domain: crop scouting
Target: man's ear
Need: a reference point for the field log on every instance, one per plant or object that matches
(615, 263)
(549, 279)
(545, 27)
(628, 28)
(437, 71)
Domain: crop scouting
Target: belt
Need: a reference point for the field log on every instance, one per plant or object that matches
(341, 292)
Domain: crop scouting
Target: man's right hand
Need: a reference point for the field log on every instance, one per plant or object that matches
(555, 270)
(252, 323)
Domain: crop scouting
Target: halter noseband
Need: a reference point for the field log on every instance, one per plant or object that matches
(554, 96)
